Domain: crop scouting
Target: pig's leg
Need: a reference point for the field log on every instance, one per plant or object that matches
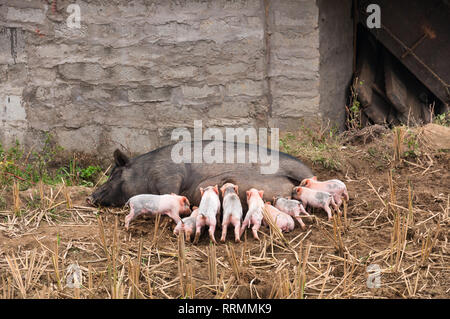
(237, 235)
(300, 221)
(237, 224)
(328, 210)
(174, 215)
(212, 228)
(129, 217)
(245, 224)
(225, 223)
(302, 210)
(335, 206)
(338, 200)
(188, 235)
(346, 197)
(198, 228)
(255, 229)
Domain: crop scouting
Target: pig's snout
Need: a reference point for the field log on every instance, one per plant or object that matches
(90, 200)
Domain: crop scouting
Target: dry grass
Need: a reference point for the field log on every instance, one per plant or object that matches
(397, 218)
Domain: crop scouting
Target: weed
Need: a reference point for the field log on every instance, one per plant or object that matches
(34, 166)
(354, 110)
(319, 145)
(412, 145)
(442, 119)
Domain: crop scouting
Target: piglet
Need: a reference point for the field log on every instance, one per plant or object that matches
(333, 186)
(208, 212)
(283, 221)
(232, 210)
(315, 198)
(291, 207)
(171, 205)
(187, 225)
(254, 214)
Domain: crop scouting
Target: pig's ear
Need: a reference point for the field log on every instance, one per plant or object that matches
(216, 189)
(201, 191)
(261, 193)
(314, 178)
(185, 200)
(298, 190)
(248, 194)
(194, 208)
(222, 189)
(236, 189)
(120, 158)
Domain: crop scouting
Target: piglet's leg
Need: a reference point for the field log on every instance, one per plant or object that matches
(237, 224)
(335, 206)
(302, 210)
(197, 234)
(188, 234)
(212, 228)
(255, 231)
(300, 221)
(174, 215)
(200, 222)
(245, 224)
(346, 197)
(237, 235)
(129, 217)
(225, 223)
(328, 210)
(255, 228)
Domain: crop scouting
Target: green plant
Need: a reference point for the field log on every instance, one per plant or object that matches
(413, 145)
(320, 145)
(90, 174)
(354, 110)
(30, 167)
(442, 119)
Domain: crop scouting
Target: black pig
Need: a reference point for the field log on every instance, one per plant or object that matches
(156, 173)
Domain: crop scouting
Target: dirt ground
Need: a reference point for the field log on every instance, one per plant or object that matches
(399, 225)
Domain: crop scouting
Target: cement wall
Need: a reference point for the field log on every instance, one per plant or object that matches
(336, 58)
(137, 69)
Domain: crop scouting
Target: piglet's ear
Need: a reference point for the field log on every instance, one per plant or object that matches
(222, 190)
(261, 193)
(314, 178)
(186, 201)
(236, 189)
(298, 190)
(216, 189)
(201, 191)
(120, 158)
(248, 194)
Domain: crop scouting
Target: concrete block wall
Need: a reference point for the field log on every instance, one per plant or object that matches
(135, 70)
